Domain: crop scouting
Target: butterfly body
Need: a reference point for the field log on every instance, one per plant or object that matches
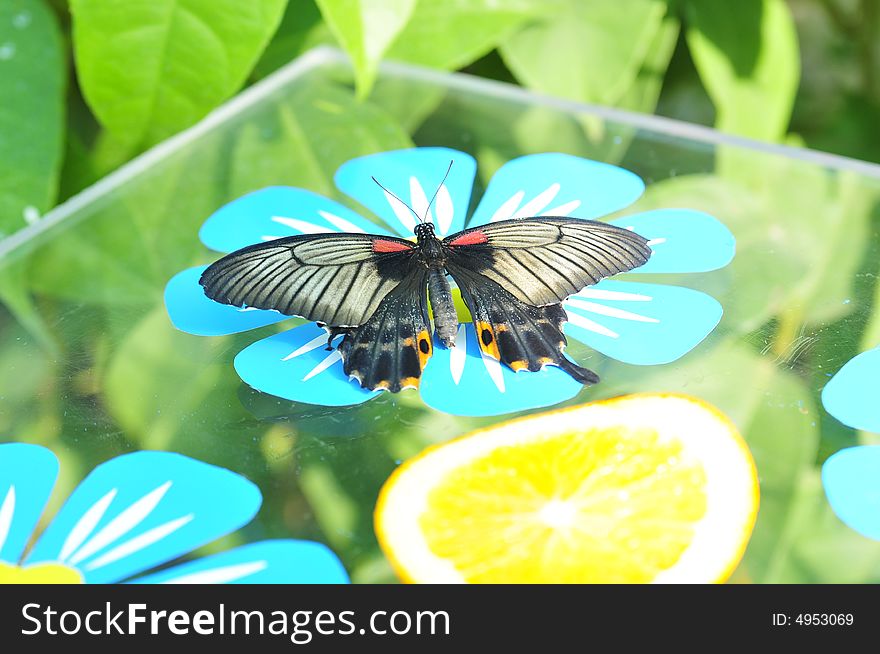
(513, 275)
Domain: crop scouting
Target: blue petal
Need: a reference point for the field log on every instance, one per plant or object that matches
(267, 562)
(851, 395)
(464, 382)
(193, 312)
(296, 366)
(140, 510)
(278, 211)
(682, 240)
(413, 176)
(556, 184)
(852, 483)
(27, 475)
(638, 323)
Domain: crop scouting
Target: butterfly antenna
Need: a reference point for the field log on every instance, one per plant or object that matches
(413, 211)
(434, 197)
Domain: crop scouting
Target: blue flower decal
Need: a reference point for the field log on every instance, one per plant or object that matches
(636, 323)
(136, 512)
(851, 477)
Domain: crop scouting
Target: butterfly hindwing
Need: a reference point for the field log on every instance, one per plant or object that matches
(390, 350)
(335, 279)
(520, 335)
(543, 260)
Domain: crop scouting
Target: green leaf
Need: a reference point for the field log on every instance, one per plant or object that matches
(588, 50)
(454, 33)
(366, 29)
(642, 95)
(300, 30)
(150, 69)
(747, 56)
(32, 76)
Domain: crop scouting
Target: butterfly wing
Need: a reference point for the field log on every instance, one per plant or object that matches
(517, 334)
(390, 350)
(335, 279)
(541, 261)
(515, 273)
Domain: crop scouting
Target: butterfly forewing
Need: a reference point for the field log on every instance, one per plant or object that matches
(336, 279)
(543, 260)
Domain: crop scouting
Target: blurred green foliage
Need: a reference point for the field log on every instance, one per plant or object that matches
(92, 367)
(91, 83)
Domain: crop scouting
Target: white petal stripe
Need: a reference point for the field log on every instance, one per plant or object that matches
(590, 325)
(445, 210)
(563, 209)
(331, 358)
(7, 510)
(402, 212)
(138, 543)
(493, 367)
(507, 209)
(313, 344)
(222, 575)
(611, 312)
(85, 525)
(122, 524)
(419, 200)
(602, 294)
(539, 202)
(303, 226)
(340, 223)
(457, 355)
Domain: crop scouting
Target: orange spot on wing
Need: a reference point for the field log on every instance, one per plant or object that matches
(486, 337)
(471, 238)
(382, 245)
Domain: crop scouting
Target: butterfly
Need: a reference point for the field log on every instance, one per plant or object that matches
(375, 290)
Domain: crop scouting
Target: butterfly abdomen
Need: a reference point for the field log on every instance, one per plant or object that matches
(445, 316)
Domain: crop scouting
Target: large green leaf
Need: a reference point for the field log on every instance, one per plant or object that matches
(587, 50)
(366, 29)
(32, 80)
(642, 95)
(149, 69)
(747, 56)
(453, 33)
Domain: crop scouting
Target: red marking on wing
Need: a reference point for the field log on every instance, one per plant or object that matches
(471, 238)
(381, 245)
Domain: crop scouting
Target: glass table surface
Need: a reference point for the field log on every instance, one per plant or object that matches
(92, 367)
